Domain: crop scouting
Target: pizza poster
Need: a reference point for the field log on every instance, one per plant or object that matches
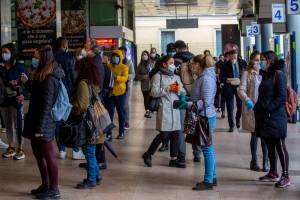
(73, 17)
(36, 23)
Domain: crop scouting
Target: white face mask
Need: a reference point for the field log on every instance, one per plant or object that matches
(153, 55)
(145, 57)
(6, 56)
(172, 68)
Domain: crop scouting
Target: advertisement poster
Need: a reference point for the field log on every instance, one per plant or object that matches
(36, 22)
(74, 23)
(231, 38)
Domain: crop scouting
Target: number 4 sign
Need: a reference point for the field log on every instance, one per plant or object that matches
(278, 13)
(293, 7)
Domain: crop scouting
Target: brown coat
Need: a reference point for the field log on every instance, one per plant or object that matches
(248, 89)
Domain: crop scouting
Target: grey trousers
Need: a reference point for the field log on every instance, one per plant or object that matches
(9, 115)
(181, 142)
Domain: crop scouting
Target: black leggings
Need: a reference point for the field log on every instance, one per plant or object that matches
(277, 144)
(162, 136)
(146, 95)
(253, 146)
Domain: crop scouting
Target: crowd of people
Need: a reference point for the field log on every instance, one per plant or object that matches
(174, 86)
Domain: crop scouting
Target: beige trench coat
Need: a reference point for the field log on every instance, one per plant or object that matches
(248, 89)
(168, 119)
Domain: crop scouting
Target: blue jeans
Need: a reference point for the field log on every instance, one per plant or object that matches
(117, 102)
(93, 170)
(209, 156)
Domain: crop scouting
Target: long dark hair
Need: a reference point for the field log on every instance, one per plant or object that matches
(87, 69)
(275, 64)
(46, 63)
(143, 61)
(13, 52)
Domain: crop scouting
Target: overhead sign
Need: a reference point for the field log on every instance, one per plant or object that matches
(278, 13)
(255, 28)
(293, 7)
(182, 23)
(249, 31)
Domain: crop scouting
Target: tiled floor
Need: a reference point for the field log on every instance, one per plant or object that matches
(128, 179)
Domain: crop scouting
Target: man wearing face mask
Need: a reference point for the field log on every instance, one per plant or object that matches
(118, 95)
(230, 76)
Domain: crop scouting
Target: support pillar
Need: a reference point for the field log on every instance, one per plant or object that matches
(266, 35)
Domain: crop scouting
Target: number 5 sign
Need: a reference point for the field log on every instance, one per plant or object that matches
(278, 13)
(293, 7)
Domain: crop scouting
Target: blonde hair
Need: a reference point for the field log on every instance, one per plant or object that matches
(207, 61)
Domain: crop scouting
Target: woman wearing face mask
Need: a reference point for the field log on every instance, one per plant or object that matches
(167, 86)
(143, 71)
(118, 95)
(271, 117)
(248, 92)
(203, 96)
(14, 78)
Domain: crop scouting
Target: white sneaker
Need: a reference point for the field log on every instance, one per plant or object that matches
(62, 155)
(78, 155)
(3, 145)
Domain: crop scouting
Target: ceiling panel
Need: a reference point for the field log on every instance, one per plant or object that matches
(182, 7)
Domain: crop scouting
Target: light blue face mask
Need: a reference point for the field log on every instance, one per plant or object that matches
(263, 65)
(173, 53)
(172, 68)
(6, 56)
(116, 60)
(35, 63)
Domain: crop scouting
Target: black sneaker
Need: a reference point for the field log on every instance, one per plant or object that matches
(231, 129)
(283, 182)
(197, 159)
(147, 159)
(238, 125)
(203, 186)
(254, 166)
(121, 136)
(82, 165)
(102, 166)
(215, 182)
(40, 189)
(223, 115)
(269, 177)
(176, 163)
(49, 194)
(109, 137)
(85, 185)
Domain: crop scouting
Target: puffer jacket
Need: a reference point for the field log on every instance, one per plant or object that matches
(120, 72)
(204, 89)
(168, 119)
(143, 70)
(270, 113)
(248, 90)
(39, 119)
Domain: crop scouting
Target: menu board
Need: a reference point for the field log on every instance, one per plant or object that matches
(74, 23)
(36, 23)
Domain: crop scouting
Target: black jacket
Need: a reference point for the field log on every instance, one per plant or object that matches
(270, 114)
(226, 72)
(43, 96)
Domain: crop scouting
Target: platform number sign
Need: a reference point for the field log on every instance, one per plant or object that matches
(293, 7)
(249, 31)
(255, 28)
(278, 13)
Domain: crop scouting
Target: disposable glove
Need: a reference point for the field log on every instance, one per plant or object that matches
(249, 104)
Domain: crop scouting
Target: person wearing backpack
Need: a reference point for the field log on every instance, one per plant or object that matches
(67, 61)
(271, 117)
(88, 80)
(13, 76)
(40, 126)
(183, 62)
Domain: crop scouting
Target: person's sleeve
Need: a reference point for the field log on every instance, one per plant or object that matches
(222, 74)
(124, 77)
(243, 87)
(207, 88)
(139, 74)
(280, 92)
(81, 98)
(48, 99)
(156, 90)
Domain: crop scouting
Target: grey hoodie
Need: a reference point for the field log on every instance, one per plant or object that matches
(204, 89)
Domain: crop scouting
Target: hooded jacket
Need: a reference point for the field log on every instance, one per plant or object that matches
(39, 119)
(204, 89)
(120, 72)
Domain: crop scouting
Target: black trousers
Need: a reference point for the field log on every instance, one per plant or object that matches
(146, 95)
(162, 136)
(277, 144)
(100, 153)
(230, 108)
(253, 146)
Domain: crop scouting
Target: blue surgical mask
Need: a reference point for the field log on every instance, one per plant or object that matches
(35, 63)
(173, 53)
(263, 65)
(6, 56)
(115, 60)
(172, 68)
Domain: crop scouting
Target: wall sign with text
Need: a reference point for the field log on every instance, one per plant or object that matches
(278, 13)
(293, 7)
